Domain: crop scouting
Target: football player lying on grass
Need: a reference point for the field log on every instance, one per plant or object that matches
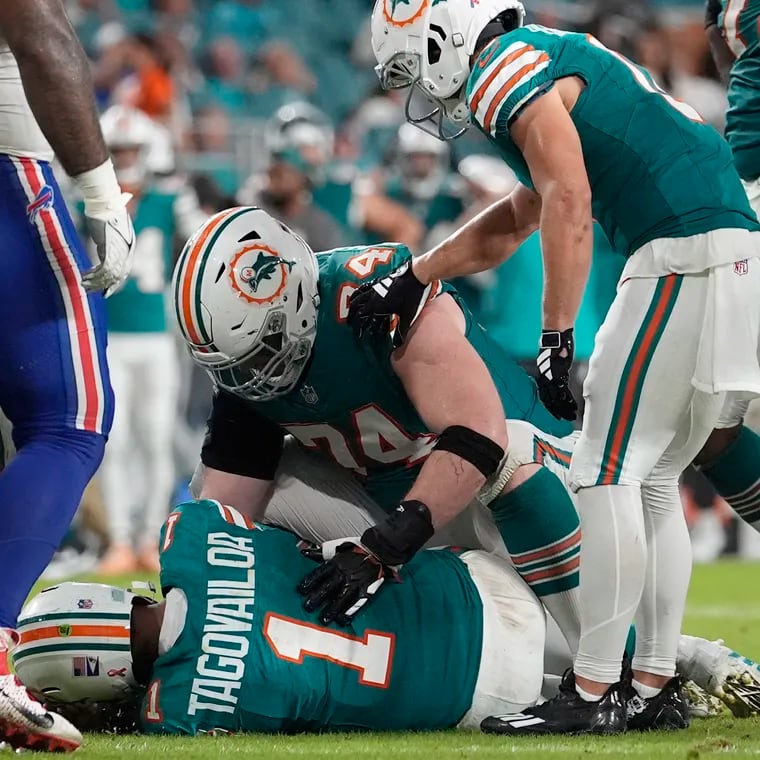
(231, 649)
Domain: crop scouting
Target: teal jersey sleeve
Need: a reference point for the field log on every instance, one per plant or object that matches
(508, 74)
(249, 658)
(739, 23)
(679, 185)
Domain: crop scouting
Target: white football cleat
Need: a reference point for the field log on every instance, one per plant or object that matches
(725, 674)
(26, 724)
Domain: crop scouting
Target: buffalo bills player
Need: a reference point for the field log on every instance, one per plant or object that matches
(54, 384)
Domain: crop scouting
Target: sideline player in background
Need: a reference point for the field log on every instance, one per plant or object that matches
(54, 385)
(731, 457)
(562, 109)
(137, 475)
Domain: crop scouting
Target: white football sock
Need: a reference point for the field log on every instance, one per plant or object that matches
(660, 614)
(613, 568)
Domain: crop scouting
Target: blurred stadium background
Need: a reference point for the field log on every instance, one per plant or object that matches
(275, 102)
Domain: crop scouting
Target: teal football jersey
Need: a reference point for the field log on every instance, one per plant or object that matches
(140, 307)
(739, 22)
(350, 404)
(248, 658)
(655, 169)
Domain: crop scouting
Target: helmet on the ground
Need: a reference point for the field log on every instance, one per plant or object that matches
(246, 297)
(426, 45)
(75, 643)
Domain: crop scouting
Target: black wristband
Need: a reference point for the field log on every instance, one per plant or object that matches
(398, 538)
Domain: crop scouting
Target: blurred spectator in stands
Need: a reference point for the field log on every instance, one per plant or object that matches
(284, 190)
(248, 21)
(279, 76)
(226, 75)
(88, 16)
(155, 87)
(210, 149)
(179, 17)
(656, 52)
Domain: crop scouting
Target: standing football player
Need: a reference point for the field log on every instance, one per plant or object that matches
(730, 460)
(590, 135)
(54, 386)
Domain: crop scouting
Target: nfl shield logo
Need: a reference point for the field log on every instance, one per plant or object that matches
(309, 394)
(741, 267)
(84, 604)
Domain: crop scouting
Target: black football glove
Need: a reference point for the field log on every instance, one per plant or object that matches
(555, 358)
(355, 569)
(349, 577)
(373, 305)
(713, 9)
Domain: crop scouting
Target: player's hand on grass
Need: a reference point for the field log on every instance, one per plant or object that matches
(555, 358)
(348, 578)
(373, 306)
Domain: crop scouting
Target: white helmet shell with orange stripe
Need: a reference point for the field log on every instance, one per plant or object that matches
(246, 297)
(75, 643)
(426, 45)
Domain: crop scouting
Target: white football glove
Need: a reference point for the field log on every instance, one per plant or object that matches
(109, 225)
(114, 239)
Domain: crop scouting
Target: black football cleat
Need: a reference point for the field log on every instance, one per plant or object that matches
(567, 713)
(668, 711)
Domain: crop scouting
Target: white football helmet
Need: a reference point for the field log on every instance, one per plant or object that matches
(426, 45)
(126, 129)
(246, 297)
(75, 643)
(422, 161)
(303, 126)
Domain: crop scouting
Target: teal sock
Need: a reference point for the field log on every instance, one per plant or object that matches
(736, 476)
(541, 530)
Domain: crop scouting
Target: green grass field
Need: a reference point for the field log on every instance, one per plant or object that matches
(724, 603)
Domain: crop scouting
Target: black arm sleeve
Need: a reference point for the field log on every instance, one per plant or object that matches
(241, 441)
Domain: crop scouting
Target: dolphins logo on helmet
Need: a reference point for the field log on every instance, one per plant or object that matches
(259, 270)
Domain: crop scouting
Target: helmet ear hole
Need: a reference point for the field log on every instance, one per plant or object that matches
(433, 51)
(299, 297)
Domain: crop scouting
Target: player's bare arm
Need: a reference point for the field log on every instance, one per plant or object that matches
(722, 54)
(451, 388)
(549, 141)
(57, 81)
(485, 241)
(249, 496)
(56, 77)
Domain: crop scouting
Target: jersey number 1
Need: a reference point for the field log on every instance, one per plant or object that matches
(371, 656)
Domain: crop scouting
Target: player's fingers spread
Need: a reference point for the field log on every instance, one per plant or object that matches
(314, 578)
(323, 593)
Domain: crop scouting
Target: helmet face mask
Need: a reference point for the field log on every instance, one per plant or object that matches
(428, 51)
(271, 369)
